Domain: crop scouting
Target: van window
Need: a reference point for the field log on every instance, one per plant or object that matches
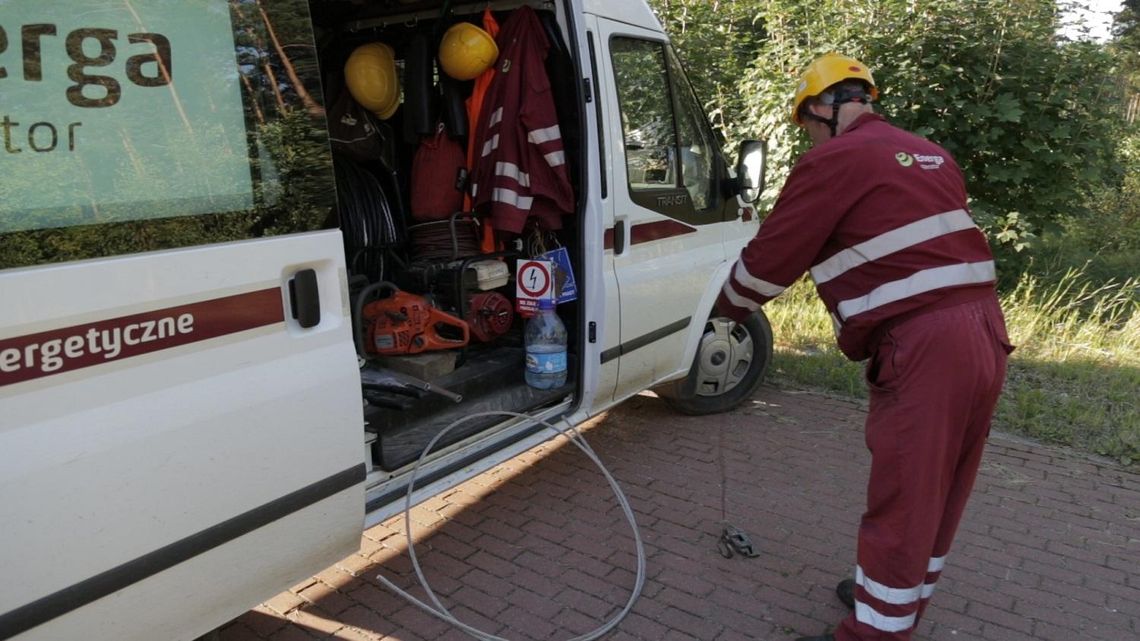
(695, 138)
(149, 125)
(668, 147)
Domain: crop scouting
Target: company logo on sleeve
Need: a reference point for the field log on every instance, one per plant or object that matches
(905, 159)
(62, 350)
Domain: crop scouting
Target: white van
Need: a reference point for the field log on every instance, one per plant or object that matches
(185, 426)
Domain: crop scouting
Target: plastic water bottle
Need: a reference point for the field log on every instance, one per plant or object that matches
(545, 339)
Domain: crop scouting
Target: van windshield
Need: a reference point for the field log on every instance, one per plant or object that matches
(150, 124)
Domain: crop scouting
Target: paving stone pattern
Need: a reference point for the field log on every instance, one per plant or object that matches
(537, 548)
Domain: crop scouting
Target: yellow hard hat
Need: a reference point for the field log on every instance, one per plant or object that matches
(825, 71)
(370, 74)
(466, 51)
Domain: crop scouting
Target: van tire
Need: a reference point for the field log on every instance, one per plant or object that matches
(715, 378)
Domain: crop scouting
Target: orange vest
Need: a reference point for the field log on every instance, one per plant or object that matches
(474, 107)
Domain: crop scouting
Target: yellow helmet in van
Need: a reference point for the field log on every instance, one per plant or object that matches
(466, 51)
(370, 74)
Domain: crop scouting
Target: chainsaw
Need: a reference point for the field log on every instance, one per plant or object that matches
(405, 323)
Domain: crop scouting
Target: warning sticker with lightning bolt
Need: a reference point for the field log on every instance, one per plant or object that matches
(532, 284)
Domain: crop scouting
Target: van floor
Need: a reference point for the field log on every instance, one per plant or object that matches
(493, 381)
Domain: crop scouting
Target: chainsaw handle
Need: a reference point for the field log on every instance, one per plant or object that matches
(425, 341)
(358, 330)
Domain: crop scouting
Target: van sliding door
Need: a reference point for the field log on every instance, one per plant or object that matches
(180, 414)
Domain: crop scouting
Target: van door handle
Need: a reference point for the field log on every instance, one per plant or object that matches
(305, 298)
(619, 237)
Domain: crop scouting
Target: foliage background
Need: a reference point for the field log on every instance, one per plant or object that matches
(1034, 120)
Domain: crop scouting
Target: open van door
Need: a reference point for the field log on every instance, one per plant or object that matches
(665, 194)
(180, 411)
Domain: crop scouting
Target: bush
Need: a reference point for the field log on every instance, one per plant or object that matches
(1074, 378)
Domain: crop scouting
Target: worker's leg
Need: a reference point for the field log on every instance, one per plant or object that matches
(974, 442)
(928, 380)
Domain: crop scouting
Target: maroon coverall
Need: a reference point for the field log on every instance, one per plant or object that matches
(879, 216)
(520, 160)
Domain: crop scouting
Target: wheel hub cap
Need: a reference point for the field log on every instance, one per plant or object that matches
(725, 356)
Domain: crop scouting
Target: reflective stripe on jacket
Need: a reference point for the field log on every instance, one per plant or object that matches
(520, 162)
(879, 217)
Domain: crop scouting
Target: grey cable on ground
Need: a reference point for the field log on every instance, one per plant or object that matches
(440, 611)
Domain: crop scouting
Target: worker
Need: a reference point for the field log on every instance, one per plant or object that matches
(879, 217)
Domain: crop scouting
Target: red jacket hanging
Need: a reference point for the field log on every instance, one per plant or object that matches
(520, 165)
(879, 216)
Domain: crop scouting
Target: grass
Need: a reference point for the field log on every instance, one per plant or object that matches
(1073, 380)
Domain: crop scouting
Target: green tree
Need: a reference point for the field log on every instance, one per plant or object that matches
(717, 41)
(1126, 29)
(1032, 119)
(1110, 243)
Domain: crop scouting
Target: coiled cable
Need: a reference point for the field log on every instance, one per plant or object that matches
(368, 221)
(445, 240)
(440, 611)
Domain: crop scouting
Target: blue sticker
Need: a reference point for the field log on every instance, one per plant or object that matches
(565, 288)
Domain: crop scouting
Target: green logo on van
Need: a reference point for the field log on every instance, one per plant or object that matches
(905, 159)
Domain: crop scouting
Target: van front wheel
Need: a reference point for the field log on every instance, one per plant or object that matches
(729, 366)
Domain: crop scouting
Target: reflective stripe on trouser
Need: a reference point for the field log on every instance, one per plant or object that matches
(934, 382)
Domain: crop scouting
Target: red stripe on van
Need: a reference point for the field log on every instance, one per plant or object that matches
(32, 356)
(660, 230)
(648, 232)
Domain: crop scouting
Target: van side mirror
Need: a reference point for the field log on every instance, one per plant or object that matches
(751, 167)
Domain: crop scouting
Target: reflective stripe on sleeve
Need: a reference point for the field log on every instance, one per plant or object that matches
(738, 300)
(546, 134)
(512, 198)
(891, 242)
(490, 145)
(758, 285)
(511, 170)
(555, 158)
(918, 283)
(836, 325)
(496, 117)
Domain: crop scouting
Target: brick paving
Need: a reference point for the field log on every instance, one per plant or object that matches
(537, 547)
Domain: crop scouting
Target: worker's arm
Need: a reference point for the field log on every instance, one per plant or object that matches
(815, 197)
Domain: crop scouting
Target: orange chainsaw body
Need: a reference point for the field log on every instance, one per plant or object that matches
(405, 323)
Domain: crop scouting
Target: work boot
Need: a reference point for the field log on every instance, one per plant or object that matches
(822, 637)
(846, 593)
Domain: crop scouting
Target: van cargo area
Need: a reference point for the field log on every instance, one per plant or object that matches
(282, 268)
(432, 270)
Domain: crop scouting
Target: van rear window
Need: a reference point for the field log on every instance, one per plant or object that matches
(150, 124)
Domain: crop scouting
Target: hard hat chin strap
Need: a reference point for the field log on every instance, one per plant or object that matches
(831, 122)
(838, 99)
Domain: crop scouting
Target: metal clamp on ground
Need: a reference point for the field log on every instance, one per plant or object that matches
(734, 541)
